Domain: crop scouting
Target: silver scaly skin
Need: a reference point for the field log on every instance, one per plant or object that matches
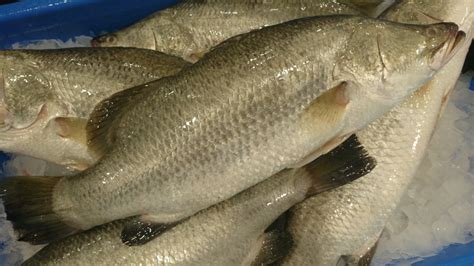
(225, 234)
(229, 233)
(258, 103)
(349, 220)
(193, 27)
(40, 86)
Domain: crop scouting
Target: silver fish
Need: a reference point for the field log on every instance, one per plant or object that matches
(229, 233)
(46, 93)
(191, 28)
(343, 224)
(261, 102)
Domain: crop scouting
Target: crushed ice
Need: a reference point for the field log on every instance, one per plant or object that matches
(437, 209)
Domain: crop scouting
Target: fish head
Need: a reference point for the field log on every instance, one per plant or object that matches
(141, 37)
(390, 60)
(429, 12)
(138, 35)
(24, 91)
(169, 38)
(29, 111)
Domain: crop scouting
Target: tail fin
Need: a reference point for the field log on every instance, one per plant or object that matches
(342, 165)
(29, 206)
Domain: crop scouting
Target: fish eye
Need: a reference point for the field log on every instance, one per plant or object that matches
(110, 38)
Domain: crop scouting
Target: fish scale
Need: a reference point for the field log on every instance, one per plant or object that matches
(176, 152)
(166, 173)
(68, 83)
(228, 233)
(200, 240)
(349, 220)
(193, 27)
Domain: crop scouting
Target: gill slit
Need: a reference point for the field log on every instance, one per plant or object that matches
(429, 16)
(384, 67)
(155, 40)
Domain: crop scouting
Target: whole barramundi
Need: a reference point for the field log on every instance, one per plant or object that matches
(260, 102)
(193, 27)
(48, 95)
(229, 233)
(344, 224)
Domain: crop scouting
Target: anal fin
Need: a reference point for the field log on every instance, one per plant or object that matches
(325, 116)
(138, 231)
(346, 163)
(275, 245)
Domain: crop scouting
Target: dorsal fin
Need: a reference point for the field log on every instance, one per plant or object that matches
(100, 137)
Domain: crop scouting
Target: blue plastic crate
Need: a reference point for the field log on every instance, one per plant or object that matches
(26, 20)
(30, 20)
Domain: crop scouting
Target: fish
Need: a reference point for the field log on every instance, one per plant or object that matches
(371, 8)
(233, 232)
(49, 95)
(261, 102)
(343, 226)
(446, 10)
(192, 28)
(368, 2)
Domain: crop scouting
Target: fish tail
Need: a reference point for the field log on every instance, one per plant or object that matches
(346, 163)
(29, 206)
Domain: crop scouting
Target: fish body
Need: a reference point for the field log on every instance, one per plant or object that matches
(192, 28)
(349, 220)
(416, 12)
(44, 90)
(259, 103)
(229, 233)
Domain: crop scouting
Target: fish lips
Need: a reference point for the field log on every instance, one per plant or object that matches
(448, 49)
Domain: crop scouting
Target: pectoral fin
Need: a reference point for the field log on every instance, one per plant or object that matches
(324, 117)
(275, 245)
(328, 107)
(72, 128)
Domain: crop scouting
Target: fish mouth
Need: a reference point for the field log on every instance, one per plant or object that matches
(104, 40)
(448, 49)
(95, 43)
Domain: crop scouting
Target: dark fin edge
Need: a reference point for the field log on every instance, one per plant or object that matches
(137, 232)
(344, 164)
(28, 205)
(276, 244)
(363, 260)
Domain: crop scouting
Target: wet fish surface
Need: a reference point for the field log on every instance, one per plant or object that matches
(47, 93)
(192, 28)
(343, 224)
(261, 102)
(229, 233)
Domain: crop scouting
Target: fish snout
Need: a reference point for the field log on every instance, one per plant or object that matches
(448, 48)
(5, 119)
(104, 40)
